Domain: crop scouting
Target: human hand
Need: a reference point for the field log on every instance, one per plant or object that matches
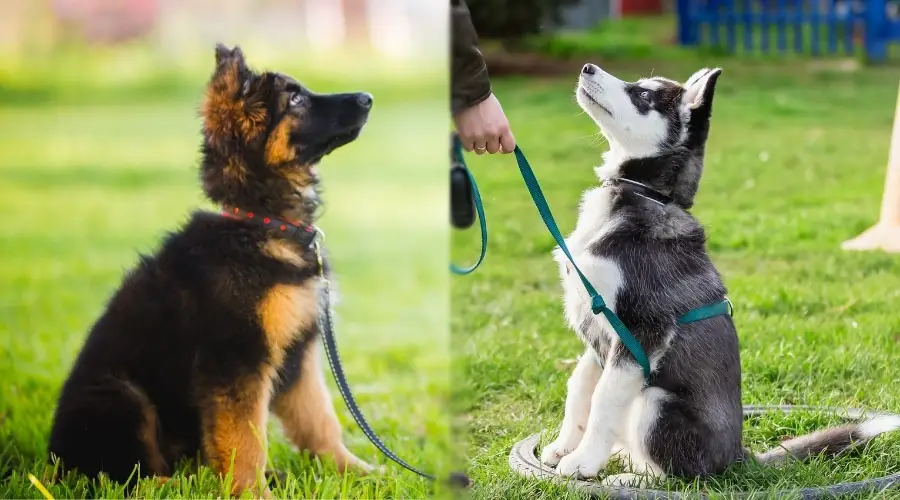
(484, 128)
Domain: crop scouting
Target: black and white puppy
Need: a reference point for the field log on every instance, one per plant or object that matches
(646, 255)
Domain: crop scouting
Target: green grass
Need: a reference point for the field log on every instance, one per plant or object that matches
(87, 181)
(795, 165)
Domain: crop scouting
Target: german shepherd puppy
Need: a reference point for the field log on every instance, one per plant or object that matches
(204, 338)
(639, 245)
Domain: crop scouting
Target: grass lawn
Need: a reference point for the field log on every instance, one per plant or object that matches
(88, 181)
(794, 166)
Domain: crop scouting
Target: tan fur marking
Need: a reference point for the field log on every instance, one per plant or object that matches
(227, 79)
(285, 311)
(307, 414)
(302, 178)
(148, 430)
(284, 251)
(299, 177)
(278, 146)
(235, 170)
(223, 116)
(252, 121)
(235, 424)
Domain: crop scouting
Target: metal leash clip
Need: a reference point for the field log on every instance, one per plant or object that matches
(317, 247)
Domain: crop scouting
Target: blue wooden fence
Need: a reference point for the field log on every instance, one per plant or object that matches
(803, 26)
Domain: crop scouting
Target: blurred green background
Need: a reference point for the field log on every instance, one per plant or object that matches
(99, 142)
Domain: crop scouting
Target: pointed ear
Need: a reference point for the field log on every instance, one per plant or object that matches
(231, 69)
(224, 54)
(699, 88)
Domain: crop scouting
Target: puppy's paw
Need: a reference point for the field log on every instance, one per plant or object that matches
(581, 464)
(554, 452)
(565, 443)
(364, 468)
(368, 469)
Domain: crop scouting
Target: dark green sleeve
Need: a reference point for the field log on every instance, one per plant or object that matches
(469, 82)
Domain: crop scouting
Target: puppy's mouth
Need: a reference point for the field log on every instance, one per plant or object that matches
(593, 101)
(310, 154)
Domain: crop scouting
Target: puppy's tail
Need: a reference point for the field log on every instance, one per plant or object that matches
(831, 441)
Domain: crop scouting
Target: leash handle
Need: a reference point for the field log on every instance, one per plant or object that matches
(479, 209)
(337, 369)
(598, 305)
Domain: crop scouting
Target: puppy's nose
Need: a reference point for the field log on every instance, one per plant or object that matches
(365, 100)
(589, 69)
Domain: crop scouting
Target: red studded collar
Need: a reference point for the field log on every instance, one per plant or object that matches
(304, 234)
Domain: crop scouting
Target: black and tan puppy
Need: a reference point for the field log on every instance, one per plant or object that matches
(204, 338)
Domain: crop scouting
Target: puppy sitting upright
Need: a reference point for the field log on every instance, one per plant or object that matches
(645, 254)
(204, 338)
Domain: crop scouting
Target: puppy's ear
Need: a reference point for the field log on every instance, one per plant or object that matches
(700, 87)
(231, 71)
(222, 53)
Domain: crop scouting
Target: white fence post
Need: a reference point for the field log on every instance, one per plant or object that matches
(885, 235)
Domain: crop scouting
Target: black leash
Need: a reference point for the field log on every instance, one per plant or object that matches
(309, 237)
(327, 328)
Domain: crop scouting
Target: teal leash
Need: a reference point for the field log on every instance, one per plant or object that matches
(479, 209)
(598, 305)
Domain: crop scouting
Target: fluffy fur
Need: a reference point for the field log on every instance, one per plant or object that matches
(649, 261)
(218, 328)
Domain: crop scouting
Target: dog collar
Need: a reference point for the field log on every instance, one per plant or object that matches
(304, 234)
(639, 189)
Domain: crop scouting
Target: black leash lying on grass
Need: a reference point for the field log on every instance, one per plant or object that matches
(308, 237)
(326, 326)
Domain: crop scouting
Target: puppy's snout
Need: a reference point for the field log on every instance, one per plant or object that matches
(365, 100)
(589, 69)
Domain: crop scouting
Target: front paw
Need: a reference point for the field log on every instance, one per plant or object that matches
(363, 468)
(366, 469)
(581, 464)
(348, 462)
(555, 451)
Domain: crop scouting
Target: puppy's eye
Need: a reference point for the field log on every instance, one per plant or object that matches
(645, 95)
(296, 98)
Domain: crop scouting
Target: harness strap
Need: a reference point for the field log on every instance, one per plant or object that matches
(598, 305)
(479, 209)
(722, 308)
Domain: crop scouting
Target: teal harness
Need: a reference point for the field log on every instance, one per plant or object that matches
(598, 305)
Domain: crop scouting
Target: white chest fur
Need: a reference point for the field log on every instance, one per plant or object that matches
(594, 220)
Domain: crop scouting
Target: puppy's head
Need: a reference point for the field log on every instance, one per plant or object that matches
(264, 132)
(653, 118)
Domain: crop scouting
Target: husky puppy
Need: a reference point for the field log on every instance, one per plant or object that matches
(645, 254)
